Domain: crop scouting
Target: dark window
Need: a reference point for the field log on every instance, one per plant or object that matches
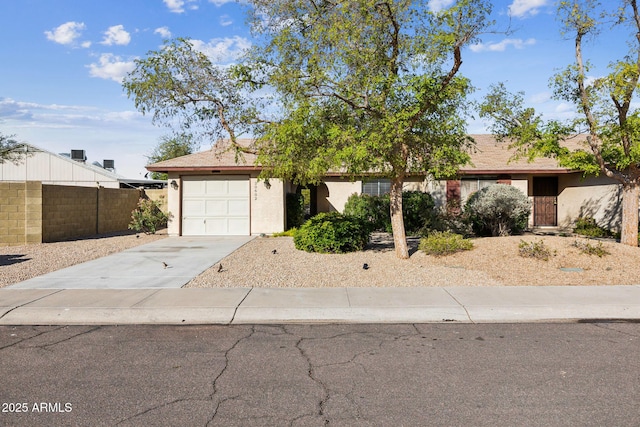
(376, 187)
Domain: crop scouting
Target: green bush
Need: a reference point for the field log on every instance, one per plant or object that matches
(498, 210)
(587, 226)
(288, 233)
(418, 211)
(444, 243)
(295, 210)
(537, 250)
(148, 217)
(373, 210)
(332, 233)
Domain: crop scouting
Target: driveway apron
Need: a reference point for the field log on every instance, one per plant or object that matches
(165, 263)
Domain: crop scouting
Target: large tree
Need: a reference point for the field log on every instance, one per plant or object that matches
(360, 86)
(606, 116)
(170, 147)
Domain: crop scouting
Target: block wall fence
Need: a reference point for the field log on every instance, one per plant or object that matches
(32, 212)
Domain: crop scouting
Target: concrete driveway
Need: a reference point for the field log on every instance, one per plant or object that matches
(143, 267)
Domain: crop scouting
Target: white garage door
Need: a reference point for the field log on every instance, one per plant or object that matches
(215, 205)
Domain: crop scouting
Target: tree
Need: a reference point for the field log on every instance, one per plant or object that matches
(366, 86)
(607, 119)
(361, 86)
(11, 150)
(170, 148)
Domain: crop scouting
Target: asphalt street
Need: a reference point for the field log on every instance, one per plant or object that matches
(565, 374)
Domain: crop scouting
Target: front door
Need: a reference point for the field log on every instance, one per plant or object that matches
(545, 201)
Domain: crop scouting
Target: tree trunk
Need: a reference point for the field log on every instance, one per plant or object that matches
(397, 221)
(629, 232)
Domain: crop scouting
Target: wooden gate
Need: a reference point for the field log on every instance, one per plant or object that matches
(545, 201)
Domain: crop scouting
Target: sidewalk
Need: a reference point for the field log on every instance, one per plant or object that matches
(318, 305)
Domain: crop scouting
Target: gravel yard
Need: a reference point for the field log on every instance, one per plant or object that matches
(492, 262)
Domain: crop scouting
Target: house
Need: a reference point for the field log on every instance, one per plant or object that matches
(68, 169)
(211, 194)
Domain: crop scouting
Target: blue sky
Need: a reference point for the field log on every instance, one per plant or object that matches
(63, 62)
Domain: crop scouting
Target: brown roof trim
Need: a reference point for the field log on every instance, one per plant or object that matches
(514, 171)
(202, 168)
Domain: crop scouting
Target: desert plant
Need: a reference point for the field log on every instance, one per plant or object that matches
(498, 210)
(332, 233)
(148, 217)
(589, 249)
(537, 250)
(441, 243)
(295, 210)
(587, 226)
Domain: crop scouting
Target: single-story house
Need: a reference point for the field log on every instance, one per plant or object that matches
(71, 168)
(211, 194)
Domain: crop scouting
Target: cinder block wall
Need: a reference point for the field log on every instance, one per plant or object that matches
(115, 206)
(33, 213)
(68, 211)
(20, 212)
(158, 195)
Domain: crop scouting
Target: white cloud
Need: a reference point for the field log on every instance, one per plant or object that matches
(163, 32)
(438, 5)
(111, 67)
(221, 2)
(178, 6)
(116, 35)
(502, 46)
(225, 20)
(540, 98)
(223, 50)
(66, 33)
(523, 8)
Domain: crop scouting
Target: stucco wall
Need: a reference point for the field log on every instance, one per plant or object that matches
(267, 206)
(339, 191)
(598, 197)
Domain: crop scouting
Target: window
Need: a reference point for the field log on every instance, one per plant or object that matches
(376, 187)
(470, 186)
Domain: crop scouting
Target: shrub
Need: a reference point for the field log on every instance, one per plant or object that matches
(498, 210)
(295, 210)
(373, 210)
(537, 250)
(288, 233)
(587, 226)
(444, 243)
(418, 210)
(332, 233)
(589, 249)
(148, 217)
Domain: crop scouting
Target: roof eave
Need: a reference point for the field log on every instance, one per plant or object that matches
(153, 168)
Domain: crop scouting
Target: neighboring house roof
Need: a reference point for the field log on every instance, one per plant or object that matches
(489, 157)
(28, 168)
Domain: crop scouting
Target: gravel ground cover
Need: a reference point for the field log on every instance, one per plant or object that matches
(18, 263)
(493, 262)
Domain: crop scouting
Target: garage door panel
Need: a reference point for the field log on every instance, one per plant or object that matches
(216, 205)
(217, 208)
(237, 207)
